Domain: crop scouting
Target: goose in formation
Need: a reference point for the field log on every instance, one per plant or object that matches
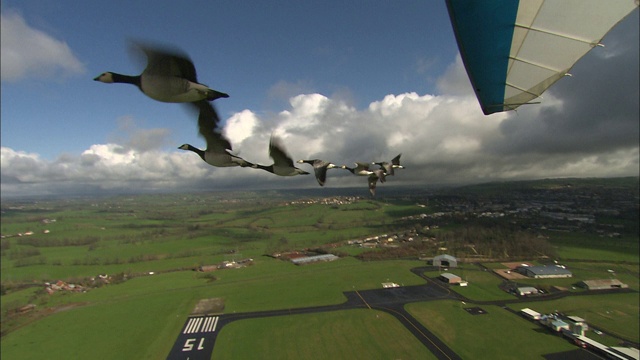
(282, 162)
(218, 148)
(319, 168)
(388, 167)
(373, 176)
(361, 169)
(169, 77)
(373, 180)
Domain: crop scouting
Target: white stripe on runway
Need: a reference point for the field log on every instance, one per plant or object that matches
(205, 325)
(208, 325)
(186, 328)
(196, 328)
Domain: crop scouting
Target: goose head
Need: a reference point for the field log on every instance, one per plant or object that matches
(106, 77)
(184, 147)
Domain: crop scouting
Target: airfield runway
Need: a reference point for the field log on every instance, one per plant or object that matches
(198, 336)
(199, 333)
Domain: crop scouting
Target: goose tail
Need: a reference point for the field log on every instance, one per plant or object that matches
(214, 94)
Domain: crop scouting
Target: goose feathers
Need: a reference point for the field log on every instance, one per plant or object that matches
(169, 76)
(282, 162)
(389, 167)
(218, 148)
(319, 168)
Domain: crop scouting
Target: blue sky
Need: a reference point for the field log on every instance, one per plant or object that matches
(344, 81)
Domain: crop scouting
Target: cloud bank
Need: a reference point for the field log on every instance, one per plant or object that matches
(44, 57)
(586, 126)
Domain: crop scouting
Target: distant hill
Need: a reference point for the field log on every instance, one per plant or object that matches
(631, 183)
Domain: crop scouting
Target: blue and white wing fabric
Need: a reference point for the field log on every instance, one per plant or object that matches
(514, 50)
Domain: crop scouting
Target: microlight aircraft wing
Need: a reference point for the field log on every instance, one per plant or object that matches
(514, 50)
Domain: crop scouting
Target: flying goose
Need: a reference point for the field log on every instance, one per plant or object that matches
(169, 77)
(361, 169)
(373, 180)
(373, 176)
(282, 163)
(388, 167)
(218, 148)
(320, 168)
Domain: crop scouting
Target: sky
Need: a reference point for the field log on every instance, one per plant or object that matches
(335, 80)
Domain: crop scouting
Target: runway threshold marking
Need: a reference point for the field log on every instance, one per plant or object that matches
(195, 342)
(208, 323)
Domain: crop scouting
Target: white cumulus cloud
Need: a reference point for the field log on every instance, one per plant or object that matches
(29, 52)
(443, 138)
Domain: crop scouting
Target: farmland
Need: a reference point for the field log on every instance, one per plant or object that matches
(132, 260)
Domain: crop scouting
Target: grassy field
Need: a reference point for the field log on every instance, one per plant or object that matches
(170, 235)
(504, 336)
(350, 334)
(616, 313)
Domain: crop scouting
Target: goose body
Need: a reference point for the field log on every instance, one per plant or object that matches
(389, 167)
(217, 159)
(168, 77)
(218, 148)
(319, 168)
(374, 177)
(282, 162)
(361, 169)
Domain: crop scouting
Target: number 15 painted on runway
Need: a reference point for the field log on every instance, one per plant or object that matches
(188, 345)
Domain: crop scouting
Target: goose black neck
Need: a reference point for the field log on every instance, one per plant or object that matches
(119, 78)
(266, 168)
(196, 150)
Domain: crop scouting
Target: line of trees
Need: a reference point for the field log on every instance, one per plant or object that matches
(494, 242)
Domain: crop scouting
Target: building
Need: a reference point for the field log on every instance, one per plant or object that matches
(530, 314)
(602, 284)
(445, 261)
(553, 322)
(208, 268)
(311, 259)
(387, 285)
(577, 325)
(544, 271)
(526, 290)
(450, 278)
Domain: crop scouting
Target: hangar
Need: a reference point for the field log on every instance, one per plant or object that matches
(445, 261)
(450, 278)
(544, 271)
(602, 284)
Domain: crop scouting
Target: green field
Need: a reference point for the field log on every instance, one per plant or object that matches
(171, 235)
(352, 334)
(503, 335)
(616, 313)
